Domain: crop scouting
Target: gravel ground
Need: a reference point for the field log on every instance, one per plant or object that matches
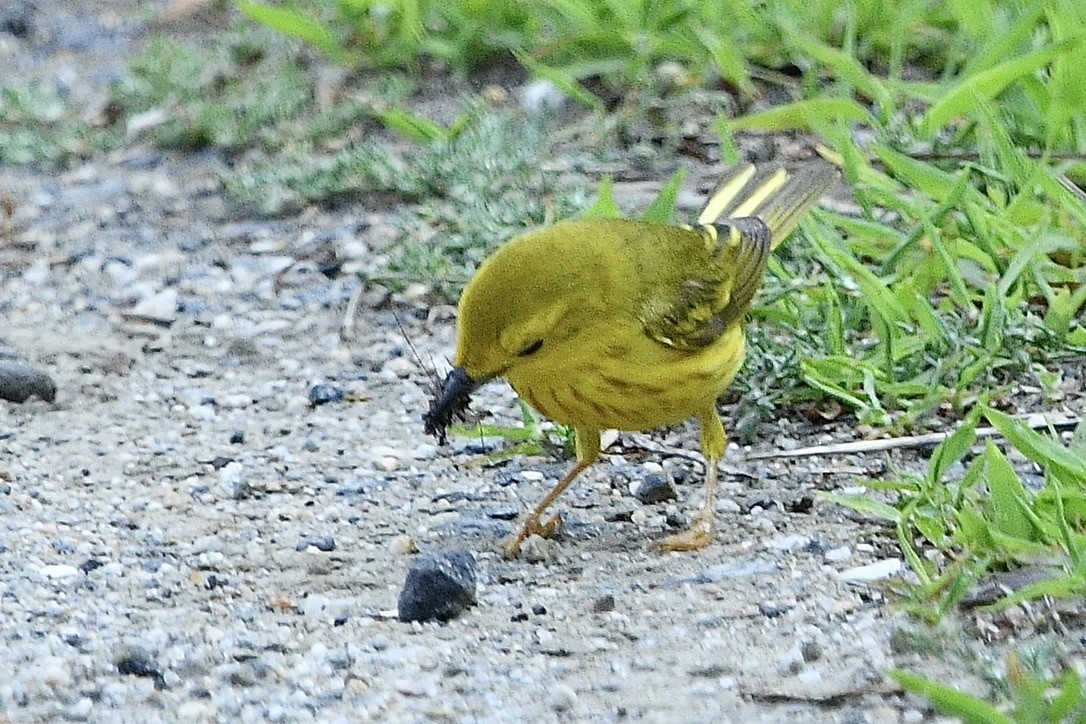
(185, 536)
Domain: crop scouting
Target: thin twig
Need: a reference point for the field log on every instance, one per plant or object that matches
(346, 327)
(1035, 420)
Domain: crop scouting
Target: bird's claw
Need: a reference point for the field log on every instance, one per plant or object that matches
(532, 526)
(697, 537)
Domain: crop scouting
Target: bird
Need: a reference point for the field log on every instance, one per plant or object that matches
(613, 324)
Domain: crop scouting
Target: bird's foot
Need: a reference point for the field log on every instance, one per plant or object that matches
(531, 526)
(697, 537)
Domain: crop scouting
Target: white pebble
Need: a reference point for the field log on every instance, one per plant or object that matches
(836, 555)
(872, 571)
(563, 697)
(58, 571)
(788, 542)
(388, 463)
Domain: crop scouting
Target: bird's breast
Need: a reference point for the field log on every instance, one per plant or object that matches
(630, 385)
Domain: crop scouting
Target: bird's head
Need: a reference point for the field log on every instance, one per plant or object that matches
(515, 311)
(515, 308)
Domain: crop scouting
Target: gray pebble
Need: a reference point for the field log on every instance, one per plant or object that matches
(655, 488)
(604, 604)
(322, 543)
(438, 587)
(19, 382)
(322, 394)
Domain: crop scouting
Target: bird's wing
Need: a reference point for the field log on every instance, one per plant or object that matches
(721, 278)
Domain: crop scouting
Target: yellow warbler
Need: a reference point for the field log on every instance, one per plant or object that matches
(626, 325)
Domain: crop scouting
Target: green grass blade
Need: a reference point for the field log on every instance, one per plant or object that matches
(1038, 448)
(604, 207)
(662, 209)
(296, 25)
(990, 83)
(804, 115)
(949, 700)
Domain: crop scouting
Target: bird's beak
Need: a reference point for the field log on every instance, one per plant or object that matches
(449, 403)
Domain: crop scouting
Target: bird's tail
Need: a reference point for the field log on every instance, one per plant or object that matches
(779, 198)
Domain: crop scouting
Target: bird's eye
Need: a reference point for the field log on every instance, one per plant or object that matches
(530, 349)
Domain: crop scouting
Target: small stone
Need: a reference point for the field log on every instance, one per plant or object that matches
(787, 542)
(791, 662)
(232, 481)
(872, 571)
(739, 568)
(20, 381)
(323, 393)
(137, 662)
(836, 555)
(326, 544)
(811, 651)
(387, 463)
(59, 571)
(809, 677)
(728, 505)
(416, 292)
(604, 604)
(399, 367)
(539, 609)
(424, 451)
(774, 610)
(539, 96)
(160, 308)
(80, 710)
(656, 488)
(438, 587)
(193, 710)
(563, 697)
(404, 545)
(538, 549)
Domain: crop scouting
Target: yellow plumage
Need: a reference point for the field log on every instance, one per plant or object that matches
(611, 324)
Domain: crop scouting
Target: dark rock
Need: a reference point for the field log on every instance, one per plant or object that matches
(539, 609)
(17, 19)
(322, 394)
(803, 504)
(656, 488)
(237, 437)
(773, 610)
(19, 382)
(811, 651)
(137, 662)
(438, 587)
(604, 604)
(764, 504)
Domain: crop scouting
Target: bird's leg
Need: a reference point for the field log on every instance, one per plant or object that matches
(532, 525)
(713, 444)
(700, 533)
(588, 450)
